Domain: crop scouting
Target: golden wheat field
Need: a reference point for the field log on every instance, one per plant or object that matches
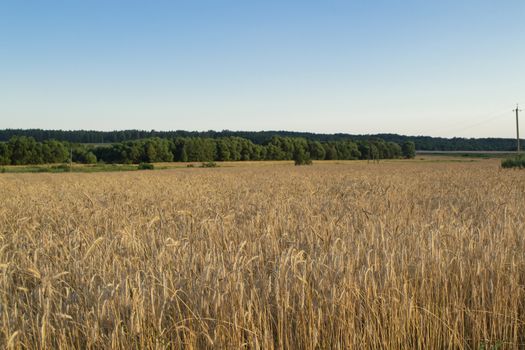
(396, 255)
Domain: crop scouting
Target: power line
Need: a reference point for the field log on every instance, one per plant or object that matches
(492, 117)
(485, 121)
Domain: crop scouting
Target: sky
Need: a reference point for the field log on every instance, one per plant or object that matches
(415, 67)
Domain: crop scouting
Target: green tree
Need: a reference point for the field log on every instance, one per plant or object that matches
(25, 150)
(5, 154)
(150, 152)
(347, 150)
(54, 152)
(364, 149)
(183, 154)
(178, 148)
(330, 152)
(273, 152)
(394, 150)
(201, 149)
(301, 157)
(374, 151)
(164, 153)
(409, 149)
(285, 146)
(223, 150)
(90, 158)
(134, 151)
(316, 150)
(82, 155)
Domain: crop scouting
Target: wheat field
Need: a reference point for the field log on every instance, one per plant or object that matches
(396, 255)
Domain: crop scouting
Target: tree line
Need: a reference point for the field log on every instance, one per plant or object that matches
(21, 150)
(424, 143)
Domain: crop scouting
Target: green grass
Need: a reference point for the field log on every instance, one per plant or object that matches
(469, 155)
(92, 168)
(35, 169)
(514, 162)
(486, 155)
(146, 166)
(66, 168)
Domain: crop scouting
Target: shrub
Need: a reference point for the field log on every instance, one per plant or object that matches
(90, 158)
(301, 157)
(515, 162)
(61, 167)
(303, 162)
(209, 165)
(146, 166)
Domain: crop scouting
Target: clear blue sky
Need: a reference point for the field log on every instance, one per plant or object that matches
(442, 68)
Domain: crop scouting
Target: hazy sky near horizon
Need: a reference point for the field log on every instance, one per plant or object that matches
(440, 68)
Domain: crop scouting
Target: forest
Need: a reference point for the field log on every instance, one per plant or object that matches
(22, 150)
(423, 143)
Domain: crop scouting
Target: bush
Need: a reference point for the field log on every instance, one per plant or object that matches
(303, 161)
(209, 165)
(301, 157)
(90, 158)
(61, 167)
(515, 162)
(146, 166)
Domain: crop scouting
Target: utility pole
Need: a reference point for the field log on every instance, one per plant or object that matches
(517, 110)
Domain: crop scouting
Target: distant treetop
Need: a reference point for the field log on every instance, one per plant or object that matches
(423, 143)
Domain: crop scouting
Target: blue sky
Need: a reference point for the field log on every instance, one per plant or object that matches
(441, 68)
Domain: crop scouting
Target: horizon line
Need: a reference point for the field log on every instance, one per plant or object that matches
(254, 131)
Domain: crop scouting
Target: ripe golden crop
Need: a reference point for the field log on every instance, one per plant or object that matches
(397, 255)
